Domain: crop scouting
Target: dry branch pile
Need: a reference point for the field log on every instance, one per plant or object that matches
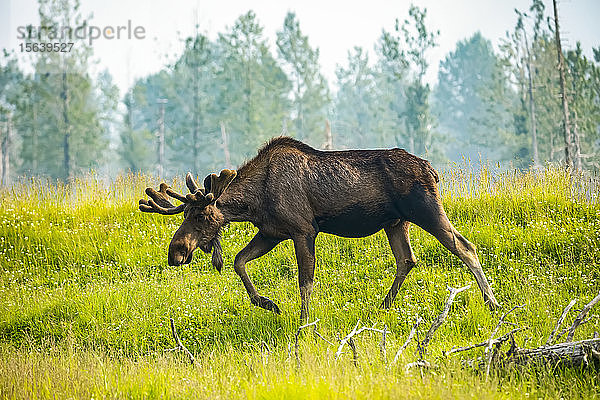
(567, 354)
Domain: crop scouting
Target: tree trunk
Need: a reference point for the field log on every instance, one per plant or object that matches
(195, 135)
(577, 148)
(67, 136)
(34, 140)
(5, 149)
(563, 93)
(565, 354)
(534, 145)
(225, 146)
(160, 136)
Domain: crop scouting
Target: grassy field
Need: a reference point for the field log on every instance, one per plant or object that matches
(86, 296)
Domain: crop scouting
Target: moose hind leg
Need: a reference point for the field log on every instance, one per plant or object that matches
(465, 250)
(398, 236)
(257, 247)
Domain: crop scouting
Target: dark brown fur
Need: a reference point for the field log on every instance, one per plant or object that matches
(292, 191)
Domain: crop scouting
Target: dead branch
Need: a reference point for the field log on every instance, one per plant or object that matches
(418, 363)
(581, 316)
(493, 345)
(566, 354)
(314, 323)
(566, 330)
(343, 342)
(348, 339)
(316, 332)
(560, 321)
(382, 345)
(354, 353)
(500, 339)
(408, 339)
(502, 321)
(440, 319)
(180, 345)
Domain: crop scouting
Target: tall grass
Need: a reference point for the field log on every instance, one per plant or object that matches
(86, 294)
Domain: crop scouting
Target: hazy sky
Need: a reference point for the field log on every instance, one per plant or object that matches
(332, 26)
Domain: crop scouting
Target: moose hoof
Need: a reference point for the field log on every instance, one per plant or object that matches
(266, 303)
(385, 305)
(493, 305)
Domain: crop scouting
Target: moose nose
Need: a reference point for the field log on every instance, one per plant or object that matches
(177, 258)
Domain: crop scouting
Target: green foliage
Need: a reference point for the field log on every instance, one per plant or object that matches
(227, 96)
(233, 83)
(465, 77)
(135, 146)
(254, 87)
(63, 119)
(582, 90)
(86, 294)
(405, 50)
(356, 113)
(309, 87)
(584, 81)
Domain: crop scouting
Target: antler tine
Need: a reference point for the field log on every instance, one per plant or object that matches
(160, 196)
(159, 202)
(199, 199)
(153, 207)
(176, 195)
(217, 184)
(191, 183)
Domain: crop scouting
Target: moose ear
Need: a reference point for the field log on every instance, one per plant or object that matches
(217, 184)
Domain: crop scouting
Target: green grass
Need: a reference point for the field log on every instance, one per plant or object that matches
(86, 296)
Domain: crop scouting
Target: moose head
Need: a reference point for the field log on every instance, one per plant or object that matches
(203, 220)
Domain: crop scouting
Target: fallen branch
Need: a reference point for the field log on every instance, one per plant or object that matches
(579, 320)
(560, 321)
(408, 339)
(354, 353)
(440, 319)
(348, 339)
(418, 363)
(382, 345)
(500, 339)
(316, 332)
(502, 320)
(180, 345)
(566, 354)
(314, 323)
(343, 342)
(494, 344)
(566, 330)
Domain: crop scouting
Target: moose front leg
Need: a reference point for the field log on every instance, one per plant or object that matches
(304, 247)
(257, 247)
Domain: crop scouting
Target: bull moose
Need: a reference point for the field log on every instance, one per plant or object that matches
(293, 191)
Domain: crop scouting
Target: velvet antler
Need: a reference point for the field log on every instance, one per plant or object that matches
(198, 196)
(159, 202)
(217, 184)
